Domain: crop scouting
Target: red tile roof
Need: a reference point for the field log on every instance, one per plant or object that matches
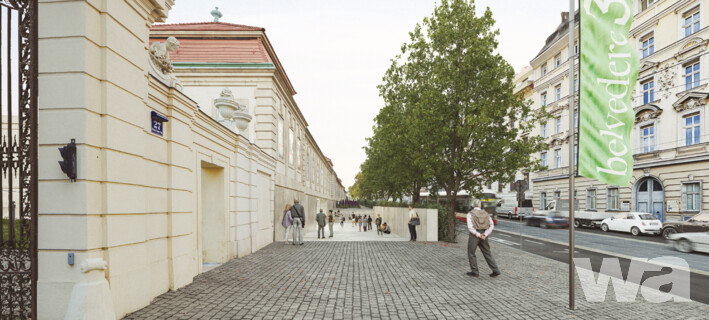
(204, 26)
(247, 50)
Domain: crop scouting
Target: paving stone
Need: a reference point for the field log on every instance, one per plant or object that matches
(392, 280)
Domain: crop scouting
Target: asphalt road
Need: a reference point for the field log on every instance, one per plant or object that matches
(520, 236)
(644, 237)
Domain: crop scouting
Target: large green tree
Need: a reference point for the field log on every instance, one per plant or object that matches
(455, 95)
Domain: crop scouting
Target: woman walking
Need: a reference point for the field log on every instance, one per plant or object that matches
(287, 221)
(359, 223)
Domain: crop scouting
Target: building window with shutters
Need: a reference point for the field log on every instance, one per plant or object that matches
(613, 199)
(591, 199)
(691, 196)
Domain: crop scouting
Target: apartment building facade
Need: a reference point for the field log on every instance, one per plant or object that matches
(669, 140)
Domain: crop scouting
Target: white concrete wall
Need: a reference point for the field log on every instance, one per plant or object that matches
(397, 219)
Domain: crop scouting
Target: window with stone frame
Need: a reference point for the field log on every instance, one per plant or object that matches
(647, 135)
(576, 120)
(557, 92)
(543, 130)
(281, 138)
(291, 146)
(691, 196)
(590, 199)
(691, 22)
(297, 155)
(692, 128)
(576, 154)
(613, 202)
(558, 124)
(544, 99)
(558, 155)
(644, 4)
(557, 195)
(544, 159)
(557, 61)
(576, 83)
(544, 69)
(543, 200)
(647, 45)
(691, 76)
(648, 91)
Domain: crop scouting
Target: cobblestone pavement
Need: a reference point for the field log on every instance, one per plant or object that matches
(392, 280)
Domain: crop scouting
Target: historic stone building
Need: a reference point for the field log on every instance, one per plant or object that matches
(213, 56)
(671, 159)
(183, 162)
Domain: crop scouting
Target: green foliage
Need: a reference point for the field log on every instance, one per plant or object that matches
(451, 119)
(6, 229)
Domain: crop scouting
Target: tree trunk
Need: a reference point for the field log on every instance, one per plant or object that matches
(416, 193)
(451, 215)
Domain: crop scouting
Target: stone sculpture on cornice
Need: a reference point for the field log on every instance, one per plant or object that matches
(160, 63)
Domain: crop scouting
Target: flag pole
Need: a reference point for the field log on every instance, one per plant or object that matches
(572, 140)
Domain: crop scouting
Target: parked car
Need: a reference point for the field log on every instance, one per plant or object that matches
(512, 211)
(551, 220)
(633, 222)
(690, 241)
(698, 223)
(582, 218)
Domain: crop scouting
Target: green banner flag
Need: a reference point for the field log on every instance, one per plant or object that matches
(608, 71)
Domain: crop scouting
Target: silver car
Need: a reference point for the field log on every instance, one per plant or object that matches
(690, 241)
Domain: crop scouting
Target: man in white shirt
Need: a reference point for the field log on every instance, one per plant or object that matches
(480, 225)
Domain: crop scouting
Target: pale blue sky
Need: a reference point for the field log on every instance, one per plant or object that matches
(336, 52)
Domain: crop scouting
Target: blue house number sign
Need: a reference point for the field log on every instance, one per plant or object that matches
(157, 122)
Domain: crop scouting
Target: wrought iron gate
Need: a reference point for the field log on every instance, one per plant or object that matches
(18, 159)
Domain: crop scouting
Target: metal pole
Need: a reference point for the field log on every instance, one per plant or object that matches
(572, 140)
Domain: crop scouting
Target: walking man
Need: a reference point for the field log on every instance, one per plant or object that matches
(320, 218)
(330, 221)
(480, 226)
(298, 214)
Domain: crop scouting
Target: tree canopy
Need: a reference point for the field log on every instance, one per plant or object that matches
(450, 119)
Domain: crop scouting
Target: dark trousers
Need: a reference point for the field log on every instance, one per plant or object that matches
(473, 244)
(412, 231)
(321, 230)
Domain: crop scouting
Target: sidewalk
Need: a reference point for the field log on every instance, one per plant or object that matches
(352, 233)
(392, 280)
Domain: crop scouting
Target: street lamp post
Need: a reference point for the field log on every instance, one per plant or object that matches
(572, 141)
